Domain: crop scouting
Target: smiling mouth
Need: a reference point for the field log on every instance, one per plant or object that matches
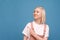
(35, 15)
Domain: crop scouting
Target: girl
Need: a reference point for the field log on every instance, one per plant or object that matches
(37, 29)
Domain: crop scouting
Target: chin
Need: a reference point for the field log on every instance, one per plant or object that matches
(35, 18)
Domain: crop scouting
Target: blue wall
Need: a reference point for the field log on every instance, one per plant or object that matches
(15, 14)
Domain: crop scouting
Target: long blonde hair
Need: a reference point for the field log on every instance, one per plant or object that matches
(43, 14)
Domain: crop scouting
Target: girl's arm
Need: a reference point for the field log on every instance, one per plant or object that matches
(45, 38)
(25, 37)
(35, 35)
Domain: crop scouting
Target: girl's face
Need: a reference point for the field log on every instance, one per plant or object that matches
(37, 13)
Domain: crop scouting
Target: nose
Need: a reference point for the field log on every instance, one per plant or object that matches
(35, 14)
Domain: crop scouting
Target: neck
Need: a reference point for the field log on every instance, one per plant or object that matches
(38, 21)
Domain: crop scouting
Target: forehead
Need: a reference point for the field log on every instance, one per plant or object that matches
(38, 9)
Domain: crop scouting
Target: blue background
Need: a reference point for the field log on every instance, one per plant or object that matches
(15, 14)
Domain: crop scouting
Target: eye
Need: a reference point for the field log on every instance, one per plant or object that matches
(37, 11)
(34, 11)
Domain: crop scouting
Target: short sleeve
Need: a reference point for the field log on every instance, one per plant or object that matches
(26, 30)
(47, 31)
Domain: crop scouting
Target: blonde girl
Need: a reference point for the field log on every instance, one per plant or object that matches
(37, 29)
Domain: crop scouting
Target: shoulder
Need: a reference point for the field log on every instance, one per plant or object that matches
(47, 26)
(28, 24)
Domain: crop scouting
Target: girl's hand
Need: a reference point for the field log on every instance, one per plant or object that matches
(35, 35)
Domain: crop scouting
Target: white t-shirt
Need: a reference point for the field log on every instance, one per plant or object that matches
(38, 28)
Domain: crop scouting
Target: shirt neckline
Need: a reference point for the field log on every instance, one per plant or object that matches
(36, 23)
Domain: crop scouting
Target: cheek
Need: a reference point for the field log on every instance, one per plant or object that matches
(40, 15)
